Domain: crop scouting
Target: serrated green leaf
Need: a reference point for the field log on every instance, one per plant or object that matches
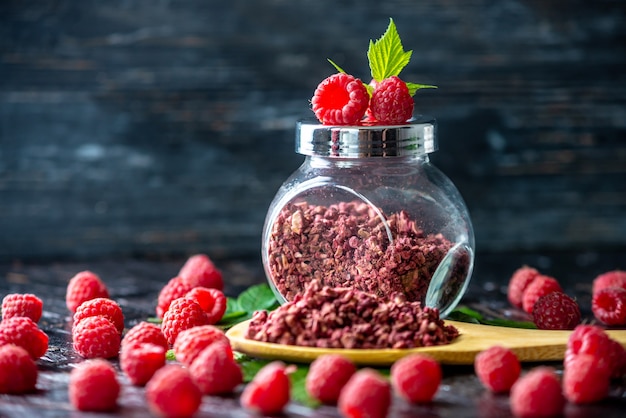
(256, 298)
(299, 393)
(413, 87)
(231, 306)
(387, 56)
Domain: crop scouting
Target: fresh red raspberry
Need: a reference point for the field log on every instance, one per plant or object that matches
(556, 310)
(25, 333)
(174, 289)
(497, 368)
(172, 392)
(519, 281)
(391, 102)
(588, 339)
(416, 378)
(141, 360)
(101, 306)
(537, 394)
(609, 306)
(586, 379)
(96, 336)
(22, 304)
(269, 391)
(94, 386)
(18, 371)
(327, 376)
(340, 99)
(212, 301)
(199, 270)
(542, 285)
(191, 342)
(182, 314)
(145, 332)
(615, 278)
(84, 286)
(367, 394)
(215, 371)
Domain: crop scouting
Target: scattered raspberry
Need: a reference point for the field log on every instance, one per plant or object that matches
(172, 392)
(588, 339)
(537, 394)
(498, 368)
(145, 333)
(191, 342)
(141, 360)
(556, 310)
(340, 99)
(212, 301)
(25, 333)
(215, 371)
(18, 371)
(94, 387)
(199, 271)
(609, 306)
(586, 379)
(269, 391)
(416, 378)
(542, 285)
(367, 394)
(84, 286)
(617, 359)
(519, 281)
(101, 306)
(182, 314)
(391, 102)
(615, 278)
(327, 376)
(174, 289)
(22, 304)
(96, 336)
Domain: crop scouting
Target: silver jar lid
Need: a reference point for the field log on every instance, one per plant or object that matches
(416, 137)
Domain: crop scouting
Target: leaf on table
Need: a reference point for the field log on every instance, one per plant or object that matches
(466, 314)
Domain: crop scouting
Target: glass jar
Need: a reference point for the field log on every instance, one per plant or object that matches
(368, 210)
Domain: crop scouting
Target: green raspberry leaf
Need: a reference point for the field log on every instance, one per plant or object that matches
(387, 56)
(415, 87)
(334, 64)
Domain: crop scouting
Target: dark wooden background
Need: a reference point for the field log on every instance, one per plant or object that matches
(154, 128)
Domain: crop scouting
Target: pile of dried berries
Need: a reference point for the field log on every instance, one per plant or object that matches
(334, 317)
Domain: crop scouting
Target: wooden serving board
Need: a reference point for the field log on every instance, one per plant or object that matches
(530, 345)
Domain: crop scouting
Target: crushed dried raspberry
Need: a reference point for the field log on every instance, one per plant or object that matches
(586, 379)
(182, 314)
(145, 333)
(94, 386)
(367, 394)
(174, 289)
(416, 378)
(172, 392)
(101, 306)
(199, 270)
(191, 342)
(215, 371)
(212, 301)
(25, 333)
(340, 99)
(141, 360)
(609, 306)
(540, 286)
(614, 278)
(327, 376)
(537, 394)
(519, 281)
(84, 286)
(391, 102)
(18, 371)
(497, 368)
(22, 304)
(269, 391)
(96, 336)
(556, 310)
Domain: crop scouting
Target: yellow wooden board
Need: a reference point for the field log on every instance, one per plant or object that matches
(530, 345)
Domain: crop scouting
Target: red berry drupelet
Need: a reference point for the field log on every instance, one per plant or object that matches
(614, 278)
(537, 394)
(18, 371)
(518, 283)
(540, 286)
(96, 336)
(556, 310)
(145, 333)
(94, 386)
(586, 379)
(199, 271)
(416, 378)
(215, 371)
(101, 306)
(609, 306)
(327, 376)
(497, 368)
(391, 102)
(191, 342)
(269, 391)
(174, 289)
(367, 394)
(340, 99)
(22, 304)
(141, 360)
(25, 333)
(172, 392)
(84, 286)
(182, 314)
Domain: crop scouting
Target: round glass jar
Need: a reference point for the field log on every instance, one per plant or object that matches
(368, 210)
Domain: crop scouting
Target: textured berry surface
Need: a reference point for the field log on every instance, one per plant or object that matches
(139, 361)
(586, 379)
(327, 376)
(191, 342)
(540, 286)
(174, 289)
(212, 301)
(617, 359)
(145, 332)
(391, 102)
(416, 378)
(25, 333)
(269, 391)
(588, 339)
(340, 99)
(94, 386)
(497, 368)
(96, 336)
(215, 371)
(84, 286)
(22, 304)
(609, 306)
(537, 394)
(556, 310)
(172, 392)
(101, 306)
(199, 271)
(367, 394)
(519, 281)
(614, 278)
(182, 314)
(18, 371)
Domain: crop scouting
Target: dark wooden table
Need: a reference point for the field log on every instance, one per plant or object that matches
(135, 285)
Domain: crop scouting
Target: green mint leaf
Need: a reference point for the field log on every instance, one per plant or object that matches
(415, 87)
(257, 298)
(232, 306)
(387, 56)
(338, 68)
